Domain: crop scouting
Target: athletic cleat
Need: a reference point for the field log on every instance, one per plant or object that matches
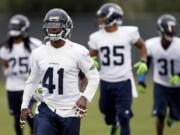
(170, 121)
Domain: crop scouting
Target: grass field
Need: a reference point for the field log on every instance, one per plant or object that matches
(141, 124)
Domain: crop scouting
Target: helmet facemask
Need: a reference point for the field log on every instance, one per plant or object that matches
(167, 27)
(57, 19)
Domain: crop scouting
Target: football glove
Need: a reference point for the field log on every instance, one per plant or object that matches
(141, 67)
(79, 112)
(96, 64)
(141, 83)
(175, 79)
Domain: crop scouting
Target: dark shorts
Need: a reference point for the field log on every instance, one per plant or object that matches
(115, 100)
(165, 97)
(48, 122)
(15, 101)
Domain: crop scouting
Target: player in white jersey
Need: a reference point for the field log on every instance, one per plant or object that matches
(15, 55)
(165, 53)
(57, 65)
(112, 43)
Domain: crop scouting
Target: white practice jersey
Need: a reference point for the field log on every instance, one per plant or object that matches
(58, 69)
(114, 51)
(166, 62)
(18, 62)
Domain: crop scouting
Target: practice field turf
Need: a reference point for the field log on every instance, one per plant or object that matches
(141, 124)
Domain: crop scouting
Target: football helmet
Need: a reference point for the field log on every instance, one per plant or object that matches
(113, 14)
(57, 18)
(166, 25)
(18, 26)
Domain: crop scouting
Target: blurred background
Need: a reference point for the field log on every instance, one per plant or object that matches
(141, 13)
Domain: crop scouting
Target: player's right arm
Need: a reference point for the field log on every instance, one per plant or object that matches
(30, 87)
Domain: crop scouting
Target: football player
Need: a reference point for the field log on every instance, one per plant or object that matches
(57, 65)
(164, 52)
(112, 43)
(15, 55)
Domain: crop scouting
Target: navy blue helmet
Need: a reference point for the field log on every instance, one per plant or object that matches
(58, 18)
(18, 26)
(166, 25)
(113, 14)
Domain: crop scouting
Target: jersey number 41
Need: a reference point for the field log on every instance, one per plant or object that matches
(49, 77)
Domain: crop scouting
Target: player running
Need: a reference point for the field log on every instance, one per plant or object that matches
(112, 43)
(164, 52)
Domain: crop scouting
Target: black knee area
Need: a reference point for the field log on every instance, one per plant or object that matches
(161, 117)
(109, 119)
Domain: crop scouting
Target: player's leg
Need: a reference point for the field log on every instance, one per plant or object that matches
(14, 102)
(123, 101)
(71, 125)
(174, 103)
(160, 107)
(107, 106)
(106, 103)
(44, 122)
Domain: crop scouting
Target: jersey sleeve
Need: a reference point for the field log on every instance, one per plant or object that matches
(86, 65)
(92, 43)
(3, 53)
(134, 34)
(32, 82)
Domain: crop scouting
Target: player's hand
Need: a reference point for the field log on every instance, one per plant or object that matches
(141, 67)
(96, 64)
(80, 107)
(141, 87)
(25, 113)
(175, 79)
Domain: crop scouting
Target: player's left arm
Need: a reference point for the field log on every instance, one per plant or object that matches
(142, 64)
(82, 78)
(82, 81)
(86, 65)
(141, 45)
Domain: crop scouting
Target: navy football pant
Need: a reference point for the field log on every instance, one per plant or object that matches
(115, 103)
(14, 102)
(48, 122)
(166, 97)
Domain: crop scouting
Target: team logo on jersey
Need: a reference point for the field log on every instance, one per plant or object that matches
(53, 63)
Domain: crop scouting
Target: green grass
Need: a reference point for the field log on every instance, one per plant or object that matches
(141, 124)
